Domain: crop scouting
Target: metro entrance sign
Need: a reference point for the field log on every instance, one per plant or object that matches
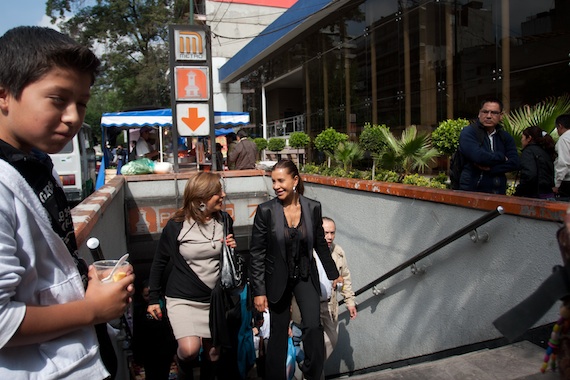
(192, 119)
(191, 81)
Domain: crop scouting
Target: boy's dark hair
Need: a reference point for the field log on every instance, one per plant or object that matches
(27, 53)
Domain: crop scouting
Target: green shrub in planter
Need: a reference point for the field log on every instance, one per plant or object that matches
(418, 180)
(387, 176)
(261, 143)
(327, 141)
(372, 140)
(445, 138)
(276, 144)
(311, 169)
(299, 140)
(441, 178)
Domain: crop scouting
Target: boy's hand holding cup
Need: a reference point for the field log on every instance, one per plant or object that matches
(110, 300)
(105, 267)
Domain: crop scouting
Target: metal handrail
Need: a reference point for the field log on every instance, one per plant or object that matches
(284, 127)
(440, 244)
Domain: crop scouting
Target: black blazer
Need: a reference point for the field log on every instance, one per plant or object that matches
(268, 265)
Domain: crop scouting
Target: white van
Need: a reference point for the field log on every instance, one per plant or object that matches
(76, 164)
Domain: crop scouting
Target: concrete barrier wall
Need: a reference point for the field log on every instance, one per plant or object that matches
(464, 287)
(102, 215)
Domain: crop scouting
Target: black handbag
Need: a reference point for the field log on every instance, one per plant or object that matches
(231, 272)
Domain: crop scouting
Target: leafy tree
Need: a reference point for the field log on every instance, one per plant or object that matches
(101, 101)
(261, 143)
(132, 36)
(299, 140)
(328, 140)
(445, 138)
(372, 140)
(276, 144)
(411, 152)
(346, 153)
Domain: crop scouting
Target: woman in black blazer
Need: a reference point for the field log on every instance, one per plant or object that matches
(286, 229)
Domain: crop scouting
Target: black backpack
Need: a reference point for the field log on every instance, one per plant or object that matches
(456, 164)
(458, 159)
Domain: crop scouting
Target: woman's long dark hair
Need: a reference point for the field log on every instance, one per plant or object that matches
(541, 138)
(291, 169)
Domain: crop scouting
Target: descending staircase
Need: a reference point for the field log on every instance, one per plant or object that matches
(519, 361)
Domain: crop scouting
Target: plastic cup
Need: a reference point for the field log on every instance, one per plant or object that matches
(104, 268)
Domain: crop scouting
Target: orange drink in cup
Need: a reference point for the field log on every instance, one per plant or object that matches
(105, 267)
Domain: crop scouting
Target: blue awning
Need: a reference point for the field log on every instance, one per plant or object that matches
(301, 16)
(163, 118)
(138, 119)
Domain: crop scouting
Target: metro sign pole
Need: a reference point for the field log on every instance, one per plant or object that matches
(191, 85)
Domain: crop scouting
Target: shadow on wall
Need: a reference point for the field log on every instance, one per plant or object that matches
(339, 356)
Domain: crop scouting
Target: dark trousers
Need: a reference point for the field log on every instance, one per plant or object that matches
(307, 298)
(564, 190)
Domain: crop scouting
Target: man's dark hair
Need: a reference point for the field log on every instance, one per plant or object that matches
(563, 120)
(242, 134)
(231, 137)
(28, 53)
(492, 100)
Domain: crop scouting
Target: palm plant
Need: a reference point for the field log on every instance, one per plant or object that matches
(542, 115)
(346, 153)
(412, 152)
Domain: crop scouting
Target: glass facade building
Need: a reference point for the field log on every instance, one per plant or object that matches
(414, 62)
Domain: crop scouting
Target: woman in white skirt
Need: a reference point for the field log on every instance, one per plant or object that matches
(192, 241)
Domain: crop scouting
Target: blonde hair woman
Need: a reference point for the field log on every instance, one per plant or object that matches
(192, 240)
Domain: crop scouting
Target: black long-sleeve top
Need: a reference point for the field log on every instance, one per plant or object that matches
(181, 281)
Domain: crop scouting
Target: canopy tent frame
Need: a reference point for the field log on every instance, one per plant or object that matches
(162, 118)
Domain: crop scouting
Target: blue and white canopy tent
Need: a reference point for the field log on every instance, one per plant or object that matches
(162, 118)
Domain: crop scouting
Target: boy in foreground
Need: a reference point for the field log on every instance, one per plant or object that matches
(46, 316)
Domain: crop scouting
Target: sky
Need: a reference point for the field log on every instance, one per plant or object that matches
(22, 12)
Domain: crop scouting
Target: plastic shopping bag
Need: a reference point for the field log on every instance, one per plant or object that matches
(140, 166)
(290, 363)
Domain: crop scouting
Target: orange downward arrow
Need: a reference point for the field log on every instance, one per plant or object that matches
(193, 121)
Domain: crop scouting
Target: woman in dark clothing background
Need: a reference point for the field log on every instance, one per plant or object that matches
(153, 343)
(536, 164)
(285, 231)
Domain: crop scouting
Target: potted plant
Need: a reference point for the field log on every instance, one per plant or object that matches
(276, 145)
(261, 144)
(372, 140)
(327, 141)
(299, 140)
